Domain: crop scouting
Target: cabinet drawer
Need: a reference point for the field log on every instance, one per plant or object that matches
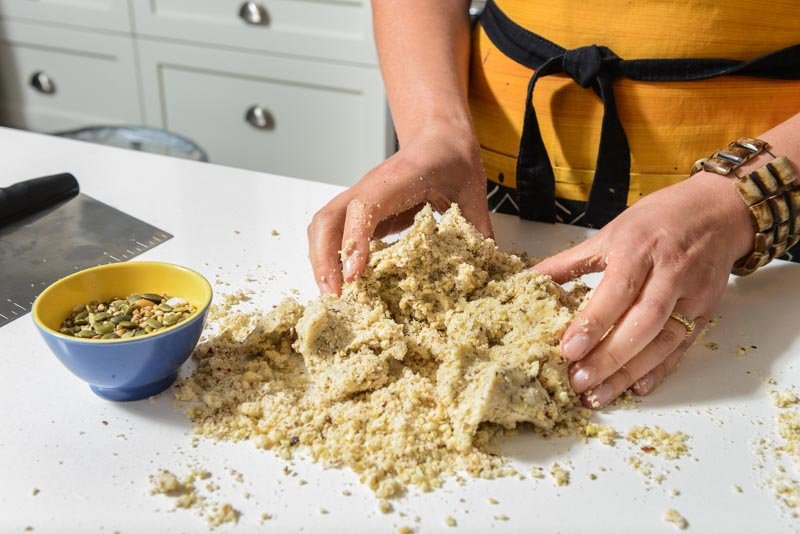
(104, 14)
(332, 29)
(92, 77)
(319, 121)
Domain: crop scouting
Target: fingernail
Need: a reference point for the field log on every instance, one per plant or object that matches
(575, 347)
(349, 268)
(600, 396)
(581, 379)
(645, 384)
(325, 289)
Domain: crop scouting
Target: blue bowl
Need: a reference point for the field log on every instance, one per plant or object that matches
(124, 369)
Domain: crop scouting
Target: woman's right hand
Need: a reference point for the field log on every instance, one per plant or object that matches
(441, 166)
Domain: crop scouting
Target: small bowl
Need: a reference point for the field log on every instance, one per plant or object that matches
(124, 369)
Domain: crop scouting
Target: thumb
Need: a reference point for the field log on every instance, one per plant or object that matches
(576, 261)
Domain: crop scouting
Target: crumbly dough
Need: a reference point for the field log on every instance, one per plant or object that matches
(443, 342)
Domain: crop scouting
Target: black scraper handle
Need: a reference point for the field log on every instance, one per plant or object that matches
(31, 196)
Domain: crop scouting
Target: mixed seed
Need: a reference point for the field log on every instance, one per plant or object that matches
(124, 318)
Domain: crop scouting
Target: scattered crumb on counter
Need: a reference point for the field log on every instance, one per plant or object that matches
(274, 232)
(386, 507)
(656, 440)
(604, 433)
(674, 517)
(450, 521)
(224, 513)
(559, 474)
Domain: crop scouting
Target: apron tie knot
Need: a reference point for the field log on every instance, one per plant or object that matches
(584, 64)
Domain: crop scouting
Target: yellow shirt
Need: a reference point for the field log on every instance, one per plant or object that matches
(669, 124)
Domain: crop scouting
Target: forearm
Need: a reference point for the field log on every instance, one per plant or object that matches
(423, 47)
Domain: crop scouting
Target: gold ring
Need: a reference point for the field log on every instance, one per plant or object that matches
(687, 323)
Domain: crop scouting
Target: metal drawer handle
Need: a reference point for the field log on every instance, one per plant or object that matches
(260, 118)
(42, 83)
(254, 13)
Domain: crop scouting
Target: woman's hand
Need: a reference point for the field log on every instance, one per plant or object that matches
(440, 166)
(670, 251)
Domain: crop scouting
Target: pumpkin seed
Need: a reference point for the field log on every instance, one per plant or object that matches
(128, 334)
(83, 314)
(152, 322)
(165, 307)
(85, 334)
(171, 318)
(154, 297)
(102, 316)
(110, 335)
(104, 328)
(119, 318)
(128, 324)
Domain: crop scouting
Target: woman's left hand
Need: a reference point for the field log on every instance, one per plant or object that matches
(672, 251)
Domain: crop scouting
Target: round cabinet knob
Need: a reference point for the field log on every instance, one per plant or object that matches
(260, 118)
(43, 83)
(254, 13)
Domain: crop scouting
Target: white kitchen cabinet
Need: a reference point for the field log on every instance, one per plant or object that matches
(285, 86)
(100, 14)
(308, 119)
(331, 29)
(87, 79)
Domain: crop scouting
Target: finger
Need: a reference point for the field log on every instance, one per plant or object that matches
(475, 209)
(583, 258)
(638, 327)
(363, 215)
(650, 381)
(396, 223)
(324, 236)
(617, 291)
(665, 343)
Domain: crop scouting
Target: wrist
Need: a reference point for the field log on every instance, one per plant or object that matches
(734, 217)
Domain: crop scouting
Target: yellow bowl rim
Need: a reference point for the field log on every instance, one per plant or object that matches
(169, 329)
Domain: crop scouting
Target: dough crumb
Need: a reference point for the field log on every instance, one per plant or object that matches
(604, 433)
(223, 514)
(35, 492)
(274, 232)
(450, 522)
(386, 507)
(559, 474)
(672, 516)
(784, 399)
(656, 440)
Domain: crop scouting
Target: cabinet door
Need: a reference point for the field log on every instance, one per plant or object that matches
(104, 14)
(332, 29)
(76, 79)
(294, 117)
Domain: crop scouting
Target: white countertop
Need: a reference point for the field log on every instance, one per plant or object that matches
(92, 476)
